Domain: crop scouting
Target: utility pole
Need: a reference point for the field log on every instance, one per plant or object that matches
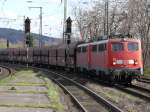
(40, 29)
(65, 16)
(41, 42)
(24, 31)
(107, 14)
(106, 19)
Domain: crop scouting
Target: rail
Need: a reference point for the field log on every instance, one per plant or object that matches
(92, 103)
(144, 80)
(92, 94)
(9, 70)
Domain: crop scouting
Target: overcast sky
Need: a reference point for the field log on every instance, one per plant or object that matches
(13, 11)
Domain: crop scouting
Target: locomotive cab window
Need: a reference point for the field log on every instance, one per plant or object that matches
(132, 46)
(101, 47)
(79, 49)
(94, 48)
(83, 49)
(117, 46)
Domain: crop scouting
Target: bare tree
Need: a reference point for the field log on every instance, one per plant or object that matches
(125, 16)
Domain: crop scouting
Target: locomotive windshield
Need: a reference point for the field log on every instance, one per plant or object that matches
(132, 46)
(117, 46)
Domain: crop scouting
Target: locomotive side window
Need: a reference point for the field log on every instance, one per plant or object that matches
(83, 49)
(101, 47)
(117, 46)
(132, 46)
(94, 48)
(79, 49)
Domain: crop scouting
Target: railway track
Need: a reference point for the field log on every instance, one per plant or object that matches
(5, 71)
(144, 80)
(75, 90)
(134, 90)
(84, 97)
(140, 88)
(140, 92)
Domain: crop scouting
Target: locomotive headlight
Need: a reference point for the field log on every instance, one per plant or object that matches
(131, 62)
(114, 63)
(118, 62)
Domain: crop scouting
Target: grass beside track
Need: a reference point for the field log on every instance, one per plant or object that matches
(147, 73)
(29, 77)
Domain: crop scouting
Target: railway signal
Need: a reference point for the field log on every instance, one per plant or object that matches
(27, 25)
(29, 38)
(68, 34)
(27, 35)
(7, 43)
(68, 29)
(68, 25)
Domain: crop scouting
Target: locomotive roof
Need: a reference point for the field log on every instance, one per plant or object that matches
(93, 43)
(106, 40)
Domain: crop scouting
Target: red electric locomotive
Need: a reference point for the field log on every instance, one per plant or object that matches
(113, 59)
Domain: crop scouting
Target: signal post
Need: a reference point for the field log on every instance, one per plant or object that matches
(68, 32)
(27, 35)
